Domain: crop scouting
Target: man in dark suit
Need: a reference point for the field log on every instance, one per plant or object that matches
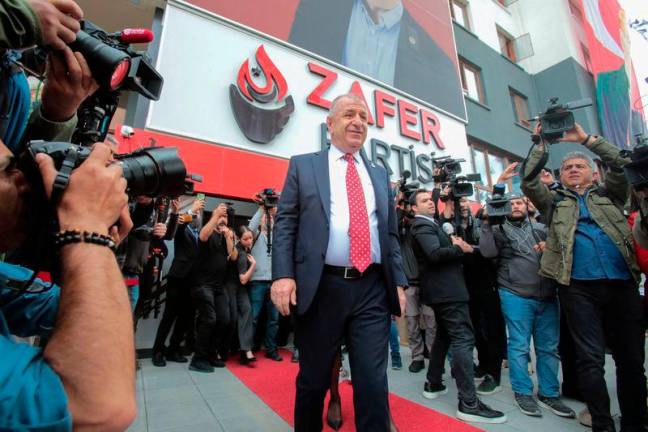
(178, 307)
(336, 257)
(443, 288)
(334, 29)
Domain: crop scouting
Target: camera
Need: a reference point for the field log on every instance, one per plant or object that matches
(636, 171)
(559, 118)
(407, 189)
(448, 170)
(268, 198)
(151, 171)
(498, 206)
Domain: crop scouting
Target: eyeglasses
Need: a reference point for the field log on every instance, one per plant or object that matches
(8, 164)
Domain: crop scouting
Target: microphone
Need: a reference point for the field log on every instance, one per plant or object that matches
(135, 35)
(448, 228)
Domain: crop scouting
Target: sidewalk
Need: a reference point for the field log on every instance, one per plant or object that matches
(174, 399)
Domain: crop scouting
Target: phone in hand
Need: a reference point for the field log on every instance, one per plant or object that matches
(200, 196)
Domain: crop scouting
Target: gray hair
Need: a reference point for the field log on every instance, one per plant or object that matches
(352, 96)
(578, 155)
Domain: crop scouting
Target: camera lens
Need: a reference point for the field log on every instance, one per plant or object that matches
(154, 171)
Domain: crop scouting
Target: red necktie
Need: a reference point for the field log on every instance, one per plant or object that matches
(359, 238)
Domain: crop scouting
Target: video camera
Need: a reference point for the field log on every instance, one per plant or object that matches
(268, 198)
(498, 205)
(636, 172)
(448, 170)
(559, 118)
(407, 189)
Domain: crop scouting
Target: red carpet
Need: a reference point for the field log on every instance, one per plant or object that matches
(274, 383)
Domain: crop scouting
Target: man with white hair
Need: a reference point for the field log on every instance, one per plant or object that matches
(589, 253)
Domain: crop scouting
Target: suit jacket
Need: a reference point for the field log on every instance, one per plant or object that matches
(440, 268)
(301, 229)
(185, 246)
(422, 68)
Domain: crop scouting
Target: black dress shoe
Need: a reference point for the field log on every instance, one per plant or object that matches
(158, 360)
(273, 355)
(416, 366)
(200, 365)
(175, 356)
(217, 363)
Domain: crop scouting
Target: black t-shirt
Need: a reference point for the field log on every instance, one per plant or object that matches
(212, 261)
(242, 262)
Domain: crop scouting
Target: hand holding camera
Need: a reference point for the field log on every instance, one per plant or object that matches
(96, 193)
(59, 21)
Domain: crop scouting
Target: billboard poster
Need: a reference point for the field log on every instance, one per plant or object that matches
(611, 64)
(405, 44)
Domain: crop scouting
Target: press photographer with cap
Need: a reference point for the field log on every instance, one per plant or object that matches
(589, 253)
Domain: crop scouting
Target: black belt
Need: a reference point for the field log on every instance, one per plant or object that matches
(351, 272)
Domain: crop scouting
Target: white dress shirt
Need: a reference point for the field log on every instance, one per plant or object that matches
(337, 253)
(371, 48)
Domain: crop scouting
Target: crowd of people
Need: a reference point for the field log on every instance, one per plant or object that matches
(342, 254)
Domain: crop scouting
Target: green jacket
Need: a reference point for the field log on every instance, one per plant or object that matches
(560, 207)
(19, 26)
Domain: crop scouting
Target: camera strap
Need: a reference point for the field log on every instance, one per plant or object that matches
(540, 165)
(62, 178)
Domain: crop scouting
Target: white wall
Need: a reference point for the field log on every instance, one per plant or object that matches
(485, 16)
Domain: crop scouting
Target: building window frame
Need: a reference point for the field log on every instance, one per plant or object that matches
(462, 6)
(507, 44)
(479, 80)
(520, 105)
(486, 151)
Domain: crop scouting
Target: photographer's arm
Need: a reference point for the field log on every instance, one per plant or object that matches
(210, 226)
(533, 188)
(92, 346)
(615, 179)
(255, 222)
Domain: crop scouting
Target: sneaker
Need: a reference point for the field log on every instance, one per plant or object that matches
(585, 418)
(273, 355)
(479, 413)
(527, 405)
(433, 391)
(556, 406)
(397, 363)
(200, 365)
(488, 386)
(158, 360)
(416, 366)
(175, 356)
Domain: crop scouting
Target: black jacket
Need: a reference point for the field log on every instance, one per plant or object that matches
(185, 246)
(439, 261)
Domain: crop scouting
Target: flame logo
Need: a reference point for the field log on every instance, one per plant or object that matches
(259, 124)
(271, 74)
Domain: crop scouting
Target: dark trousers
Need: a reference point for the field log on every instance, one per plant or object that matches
(608, 311)
(177, 309)
(489, 330)
(454, 333)
(245, 322)
(213, 318)
(356, 310)
(567, 353)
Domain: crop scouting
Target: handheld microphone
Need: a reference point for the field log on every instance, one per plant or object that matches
(135, 35)
(448, 228)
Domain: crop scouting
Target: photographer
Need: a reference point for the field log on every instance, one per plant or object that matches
(589, 253)
(262, 279)
(484, 305)
(216, 247)
(530, 306)
(64, 386)
(443, 288)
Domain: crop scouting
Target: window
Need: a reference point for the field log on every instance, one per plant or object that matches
(506, 45)
(489, 164)
(586, 58)
(459, 12)
(471, 81)
(520, 108)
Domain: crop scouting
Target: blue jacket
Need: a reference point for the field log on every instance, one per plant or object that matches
(301, 229)
(32, 397)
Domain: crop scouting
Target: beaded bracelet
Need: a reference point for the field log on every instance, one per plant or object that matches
(63, 238)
